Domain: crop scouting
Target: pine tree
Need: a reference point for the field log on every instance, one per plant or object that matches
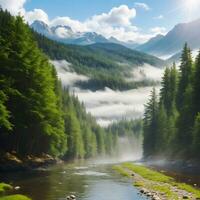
(150, 125)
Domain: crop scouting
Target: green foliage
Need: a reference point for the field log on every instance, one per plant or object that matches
(15, 197)
(36, 114)
(177, 128)
(4, 187)
(29, 105)
(107, 65)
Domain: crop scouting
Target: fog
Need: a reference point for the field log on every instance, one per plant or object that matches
(66, 75)
(108, 105)
(146, 72)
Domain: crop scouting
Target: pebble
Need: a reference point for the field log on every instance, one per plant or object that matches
(17, 187)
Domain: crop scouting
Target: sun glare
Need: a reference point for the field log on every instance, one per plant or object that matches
(192, 4)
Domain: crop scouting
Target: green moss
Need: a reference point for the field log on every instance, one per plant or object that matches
(15, 197)
(138, 184)
(4, 187)
(188, 188)
(166, 189)
(148, 173)
(121, 171)
(158, 177)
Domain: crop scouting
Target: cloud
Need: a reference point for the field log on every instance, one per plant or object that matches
(142, 5)
(118, 16)
(36, 14)
(159, 17)
(118, 22)
(158, 30)
(146, 72)
(67, 77)
(14, 6)
(108, 105)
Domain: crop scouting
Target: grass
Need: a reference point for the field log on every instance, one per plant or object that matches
(166, 189)
(14, 197)
(121, 171)
(163, 183)
(138, 184)
(4, 187)
(148, 173)
(188, 188)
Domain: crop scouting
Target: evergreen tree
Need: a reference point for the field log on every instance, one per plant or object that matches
(150, 125)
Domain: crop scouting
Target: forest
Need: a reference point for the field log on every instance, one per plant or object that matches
(107, 65)
(172, 118)
(37, 115)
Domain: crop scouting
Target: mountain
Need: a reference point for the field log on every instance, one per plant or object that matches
(105, 64)
(128, 44)
(41, 27)
(174, 40)
(66, 35)
(150, 43)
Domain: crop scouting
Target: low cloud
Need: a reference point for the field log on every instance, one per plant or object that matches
(142, 5)
(67, 77)
(146, 72)
(108, 105)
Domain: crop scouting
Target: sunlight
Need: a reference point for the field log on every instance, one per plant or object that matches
(191, 4)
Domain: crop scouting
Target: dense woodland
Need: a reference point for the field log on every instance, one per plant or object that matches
(107, 65)
(37, 115)
(172, 121)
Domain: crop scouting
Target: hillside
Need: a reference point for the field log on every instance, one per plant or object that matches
(107, 65)
(174, 41)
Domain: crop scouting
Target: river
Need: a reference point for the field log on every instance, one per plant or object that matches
(86, 181)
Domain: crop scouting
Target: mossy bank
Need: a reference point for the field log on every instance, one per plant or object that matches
(5, 188)
(155, 184)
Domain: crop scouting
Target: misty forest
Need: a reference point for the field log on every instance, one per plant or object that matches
(85, 116)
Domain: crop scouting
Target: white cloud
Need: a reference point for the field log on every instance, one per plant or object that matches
(14, 6)
(159, 17)
(118, 22)
(67, 77)
(158, 30)
(109, 105)
(67, 21)
(118, 16)
(147, 72)
(142, 5)
(36, 14)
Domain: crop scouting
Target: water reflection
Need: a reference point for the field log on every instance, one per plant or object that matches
(89, 182)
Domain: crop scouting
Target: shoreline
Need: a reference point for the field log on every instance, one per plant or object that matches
(156, 185)
(11, 162)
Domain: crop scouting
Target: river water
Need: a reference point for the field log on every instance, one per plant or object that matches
(86, 181)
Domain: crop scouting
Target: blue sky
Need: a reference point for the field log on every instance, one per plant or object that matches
(83, 9)
(136, 20)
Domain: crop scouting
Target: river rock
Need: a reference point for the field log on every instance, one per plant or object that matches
(72, 196)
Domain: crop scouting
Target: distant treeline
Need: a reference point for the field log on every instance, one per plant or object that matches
(172, 121)
(36, 114)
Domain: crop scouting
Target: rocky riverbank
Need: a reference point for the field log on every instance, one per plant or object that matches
(156, 185)
(13, 162)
